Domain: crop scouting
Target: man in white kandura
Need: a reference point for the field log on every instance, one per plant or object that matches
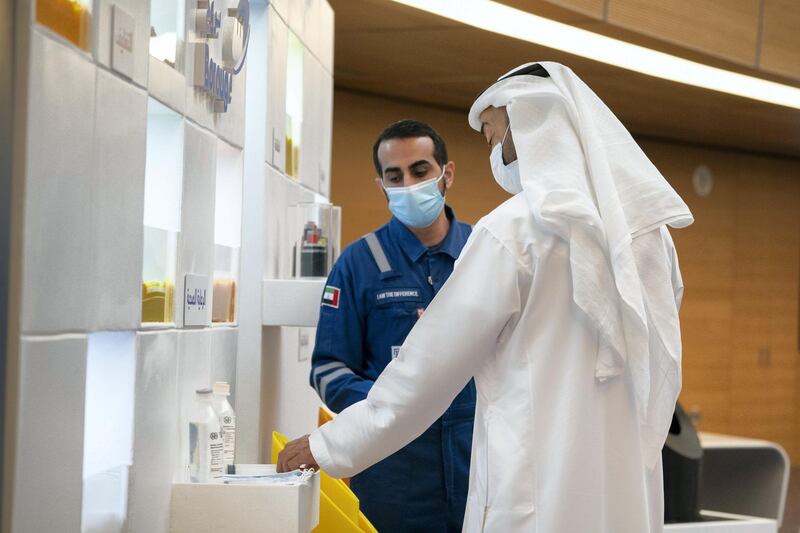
(564, 307)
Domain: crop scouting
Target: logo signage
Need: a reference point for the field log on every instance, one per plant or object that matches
(196, 307)
(221, 50)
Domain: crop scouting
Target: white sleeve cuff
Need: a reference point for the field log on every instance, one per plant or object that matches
(320, 452)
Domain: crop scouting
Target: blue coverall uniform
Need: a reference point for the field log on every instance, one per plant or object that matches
(375, 293)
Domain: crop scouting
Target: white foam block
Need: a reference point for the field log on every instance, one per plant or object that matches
(155, 438)
(49, 456)
(197, 210)
(57, 285)
(117, 206)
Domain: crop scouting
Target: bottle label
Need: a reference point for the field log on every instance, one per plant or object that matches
(228, 423)
(216, 450)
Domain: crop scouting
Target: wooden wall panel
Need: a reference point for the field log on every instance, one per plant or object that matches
(764, 341)
(727, 29)
(780, 43)
(740, 260)
(707, 311)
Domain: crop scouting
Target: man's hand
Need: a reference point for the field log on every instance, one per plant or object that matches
(296, 454)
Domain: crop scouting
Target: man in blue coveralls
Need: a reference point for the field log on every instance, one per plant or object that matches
(375, 293)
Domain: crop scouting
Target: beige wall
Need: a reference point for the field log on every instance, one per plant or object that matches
(740, 260)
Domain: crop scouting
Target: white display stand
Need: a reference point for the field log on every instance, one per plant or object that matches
(726, 523)
(744, 476)
(291, 302)
(216, 507)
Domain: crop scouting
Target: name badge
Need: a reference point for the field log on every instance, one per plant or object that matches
(388, 296)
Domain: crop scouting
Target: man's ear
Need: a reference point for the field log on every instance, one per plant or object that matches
(380, 187)
(449, 173)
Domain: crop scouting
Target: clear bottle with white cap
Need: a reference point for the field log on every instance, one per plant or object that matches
(227, 421)
(206, 445)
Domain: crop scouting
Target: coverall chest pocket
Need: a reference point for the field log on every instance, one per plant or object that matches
(399, 320)
(394, 312)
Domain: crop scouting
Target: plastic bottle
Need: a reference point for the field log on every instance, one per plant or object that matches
(227, 421)
(205, 440)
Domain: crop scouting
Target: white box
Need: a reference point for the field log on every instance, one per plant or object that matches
(50, 427)
(156, 436)
(117, 206)
(196, 254)
(56, 283)
(291, 302)
(215, 507)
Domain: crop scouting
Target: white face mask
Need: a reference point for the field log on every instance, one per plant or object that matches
(507, 176)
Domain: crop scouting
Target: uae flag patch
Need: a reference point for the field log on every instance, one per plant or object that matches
(331, 297)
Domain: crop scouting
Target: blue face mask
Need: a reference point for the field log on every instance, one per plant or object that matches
(418, 205)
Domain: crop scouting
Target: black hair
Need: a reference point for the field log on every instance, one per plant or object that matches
(410, 129)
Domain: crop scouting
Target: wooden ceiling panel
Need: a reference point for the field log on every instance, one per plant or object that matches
(381, 15)
(594, 8)
(449, 65)
(726, 29)
(780, 44)
(567, 11)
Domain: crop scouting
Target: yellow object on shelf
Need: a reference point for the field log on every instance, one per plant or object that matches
(157, 301)
(289, 156)
(338, 512)
(223, 308)
(68, 18)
